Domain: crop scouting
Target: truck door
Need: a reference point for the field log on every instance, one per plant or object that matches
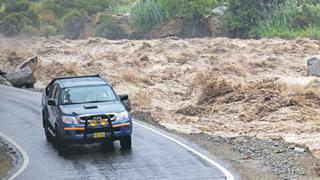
(52, 109)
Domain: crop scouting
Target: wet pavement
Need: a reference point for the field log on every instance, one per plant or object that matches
(152, 156)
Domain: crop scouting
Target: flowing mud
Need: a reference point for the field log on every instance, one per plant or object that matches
(215, 86)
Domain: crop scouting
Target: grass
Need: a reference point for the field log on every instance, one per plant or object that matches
(291, 20)
(122, 6)
(145, 15)
(312, 32)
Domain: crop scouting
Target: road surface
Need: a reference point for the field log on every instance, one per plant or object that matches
(152, 156)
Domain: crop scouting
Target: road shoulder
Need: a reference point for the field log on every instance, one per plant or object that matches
(251, 157)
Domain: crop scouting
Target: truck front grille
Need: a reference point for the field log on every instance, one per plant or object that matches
(97, 117)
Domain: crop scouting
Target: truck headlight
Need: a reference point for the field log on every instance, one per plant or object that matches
(70, 120)
(122, 116)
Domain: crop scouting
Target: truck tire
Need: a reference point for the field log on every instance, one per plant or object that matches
(125, 142)
(61, 145)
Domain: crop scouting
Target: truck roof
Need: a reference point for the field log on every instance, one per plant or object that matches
(80, 81)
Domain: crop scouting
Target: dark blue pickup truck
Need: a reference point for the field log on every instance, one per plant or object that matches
(85, 109)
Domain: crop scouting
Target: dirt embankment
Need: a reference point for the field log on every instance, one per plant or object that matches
(5, 160)
(214, 86)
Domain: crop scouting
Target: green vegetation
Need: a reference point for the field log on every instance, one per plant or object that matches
(146, 14)
(187, 8)
(79, 18)
(290, 20)
(274, 18)
(108, 28)
(73, 24)
(243, 15)
(50, 17)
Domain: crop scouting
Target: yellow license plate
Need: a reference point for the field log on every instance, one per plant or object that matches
(99, 135)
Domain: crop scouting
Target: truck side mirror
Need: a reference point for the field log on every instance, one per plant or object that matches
(124, 97)
(52, 102)
(126, 102)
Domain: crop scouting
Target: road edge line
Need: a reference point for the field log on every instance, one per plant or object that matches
(25, 157)
(227, 174)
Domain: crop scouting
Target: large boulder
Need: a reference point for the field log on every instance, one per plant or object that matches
(23, 76)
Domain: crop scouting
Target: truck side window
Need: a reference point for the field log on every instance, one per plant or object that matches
(57, 94)
(53, 91)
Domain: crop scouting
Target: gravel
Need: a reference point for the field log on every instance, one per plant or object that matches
(255, 158)
(284, 160)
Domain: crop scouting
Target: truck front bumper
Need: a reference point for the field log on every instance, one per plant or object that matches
(84, 134)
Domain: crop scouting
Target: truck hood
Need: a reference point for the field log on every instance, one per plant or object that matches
(93, 108)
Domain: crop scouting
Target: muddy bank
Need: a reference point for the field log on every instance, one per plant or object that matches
(5, 160)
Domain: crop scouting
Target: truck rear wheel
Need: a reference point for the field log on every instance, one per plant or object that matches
(49, 136)
(125, 142)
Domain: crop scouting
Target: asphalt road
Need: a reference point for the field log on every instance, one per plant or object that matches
(152, 156)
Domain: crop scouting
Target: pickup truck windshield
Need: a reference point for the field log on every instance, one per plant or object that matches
(87, 94)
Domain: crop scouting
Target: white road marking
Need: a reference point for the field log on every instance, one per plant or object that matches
(25, 157)
(227, 174)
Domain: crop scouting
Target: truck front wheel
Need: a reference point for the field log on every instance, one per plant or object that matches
(125, 142)
(61, 145)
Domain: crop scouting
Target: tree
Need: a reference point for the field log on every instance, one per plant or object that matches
(108, 28)
(245, 14)
(73, 24)
(11, 24)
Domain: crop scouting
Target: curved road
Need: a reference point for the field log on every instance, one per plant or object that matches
(152, 156)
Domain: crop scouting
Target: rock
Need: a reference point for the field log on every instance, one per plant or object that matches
(4, 81)
(299, 149)
(220, 10)
(314, 67)
(2, 73)
(23, 74)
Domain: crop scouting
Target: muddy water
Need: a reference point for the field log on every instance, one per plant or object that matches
(266, 94)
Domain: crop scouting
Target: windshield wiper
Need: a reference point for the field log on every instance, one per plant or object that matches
(88, 102)
(97, 101)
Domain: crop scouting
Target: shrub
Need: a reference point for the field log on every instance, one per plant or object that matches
(32, 17)
(293, 19)
(146, 14)
(92, 6)
(243, 15)
(16, 6)
(29, 30)
(12, 24)
(48, 30)
(108, 28)
(187, 8)
(73, 24)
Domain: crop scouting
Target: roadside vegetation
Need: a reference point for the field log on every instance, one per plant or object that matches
(104, 18)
